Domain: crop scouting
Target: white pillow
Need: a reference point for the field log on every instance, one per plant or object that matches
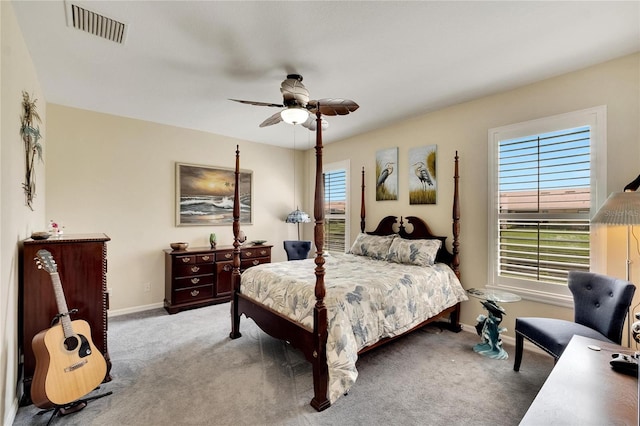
(374, 246)
(414, 252)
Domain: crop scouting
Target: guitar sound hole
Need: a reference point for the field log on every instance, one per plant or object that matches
(71, 343)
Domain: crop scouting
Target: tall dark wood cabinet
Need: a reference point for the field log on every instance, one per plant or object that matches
(201, 276)
(81, 261)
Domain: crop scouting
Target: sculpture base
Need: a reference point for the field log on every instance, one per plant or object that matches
(490, 352)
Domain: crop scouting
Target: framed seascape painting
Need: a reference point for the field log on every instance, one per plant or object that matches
(386, 176)
(204, 195)
(422, 175)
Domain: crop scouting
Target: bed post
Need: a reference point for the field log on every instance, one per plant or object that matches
(455, 263)
(320, 400)
(454, 317)
(362, 208)
(235, 272)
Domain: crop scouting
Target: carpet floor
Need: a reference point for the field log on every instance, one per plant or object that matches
(184, 370)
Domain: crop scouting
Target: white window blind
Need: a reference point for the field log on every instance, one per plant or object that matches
(335, 210)
(544, 202)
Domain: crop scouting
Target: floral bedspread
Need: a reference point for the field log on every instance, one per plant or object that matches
(366, 300)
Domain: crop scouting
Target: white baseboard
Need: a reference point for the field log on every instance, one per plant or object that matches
(11, 413)
(118, 312)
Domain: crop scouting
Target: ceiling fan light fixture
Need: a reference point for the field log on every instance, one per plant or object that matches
(294, 115)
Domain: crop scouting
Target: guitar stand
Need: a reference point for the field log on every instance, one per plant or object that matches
(72, 407)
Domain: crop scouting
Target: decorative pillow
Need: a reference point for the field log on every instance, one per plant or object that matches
(374, 246)
(414, 252)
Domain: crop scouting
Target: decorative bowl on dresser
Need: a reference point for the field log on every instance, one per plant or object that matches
(179, 246)
(201, 276)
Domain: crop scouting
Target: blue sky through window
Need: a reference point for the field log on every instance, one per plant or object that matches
(558, 160)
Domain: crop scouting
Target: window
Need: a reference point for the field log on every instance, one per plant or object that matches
(336, 206)
(544, 190)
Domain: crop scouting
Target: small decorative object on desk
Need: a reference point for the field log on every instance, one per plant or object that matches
(55, 228)
(212, 240)
(258, 242)
(179, 246)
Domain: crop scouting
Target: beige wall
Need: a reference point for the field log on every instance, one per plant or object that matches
(464, 127)
(116, 175)
(17, 221)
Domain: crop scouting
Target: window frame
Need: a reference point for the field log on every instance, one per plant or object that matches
(346, 166)
(555, 294)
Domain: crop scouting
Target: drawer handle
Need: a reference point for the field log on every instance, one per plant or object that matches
(227, 256)
(194, 293)
(195, 280)
(195, 268)
(185, 259)
(263, 252)
(248, 253)
(227, 268)
(256, 262)
(205, 257)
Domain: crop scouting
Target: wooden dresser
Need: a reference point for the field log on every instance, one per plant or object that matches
(81, 261)
(201, 276)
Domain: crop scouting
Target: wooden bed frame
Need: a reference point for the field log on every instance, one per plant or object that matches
(312, 342)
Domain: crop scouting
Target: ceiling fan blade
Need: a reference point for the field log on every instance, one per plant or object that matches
(274, 119)
(333, 106)
(293, 91)
(269, 104)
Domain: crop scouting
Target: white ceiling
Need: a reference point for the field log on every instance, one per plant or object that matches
(182, 60)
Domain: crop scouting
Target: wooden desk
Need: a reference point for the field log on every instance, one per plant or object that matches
(582, 389)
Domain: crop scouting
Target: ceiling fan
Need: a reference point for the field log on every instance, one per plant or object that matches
(297, 106)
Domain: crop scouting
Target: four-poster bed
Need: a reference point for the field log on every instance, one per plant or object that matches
(365, 307)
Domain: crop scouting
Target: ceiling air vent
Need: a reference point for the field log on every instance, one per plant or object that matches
(93, 23)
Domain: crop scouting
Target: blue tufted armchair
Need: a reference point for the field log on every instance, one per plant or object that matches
(297, 250)
(600, 303)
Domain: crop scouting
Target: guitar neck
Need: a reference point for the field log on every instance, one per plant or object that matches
(62, 304)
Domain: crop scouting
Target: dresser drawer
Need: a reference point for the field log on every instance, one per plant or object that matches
(193, 258)
(204, 258)
(193, 269)
(196, 280)
(252, 252)
(224, 255)
(192, 294)
(248, 263)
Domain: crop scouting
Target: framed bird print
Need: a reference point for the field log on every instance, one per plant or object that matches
(422, 175)
(386, 174)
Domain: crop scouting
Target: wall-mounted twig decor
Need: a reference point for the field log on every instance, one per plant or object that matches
(30, 136)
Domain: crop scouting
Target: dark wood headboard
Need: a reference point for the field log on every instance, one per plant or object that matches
(420, 231)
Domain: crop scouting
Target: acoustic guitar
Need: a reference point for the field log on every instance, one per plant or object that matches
(68, 365)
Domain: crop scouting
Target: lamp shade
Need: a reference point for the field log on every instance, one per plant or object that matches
(294, 115)
(298, 216)
(621, 208)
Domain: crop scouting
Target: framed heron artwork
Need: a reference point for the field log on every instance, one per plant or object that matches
(204, 195)
(386, 174)
(422, 175)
